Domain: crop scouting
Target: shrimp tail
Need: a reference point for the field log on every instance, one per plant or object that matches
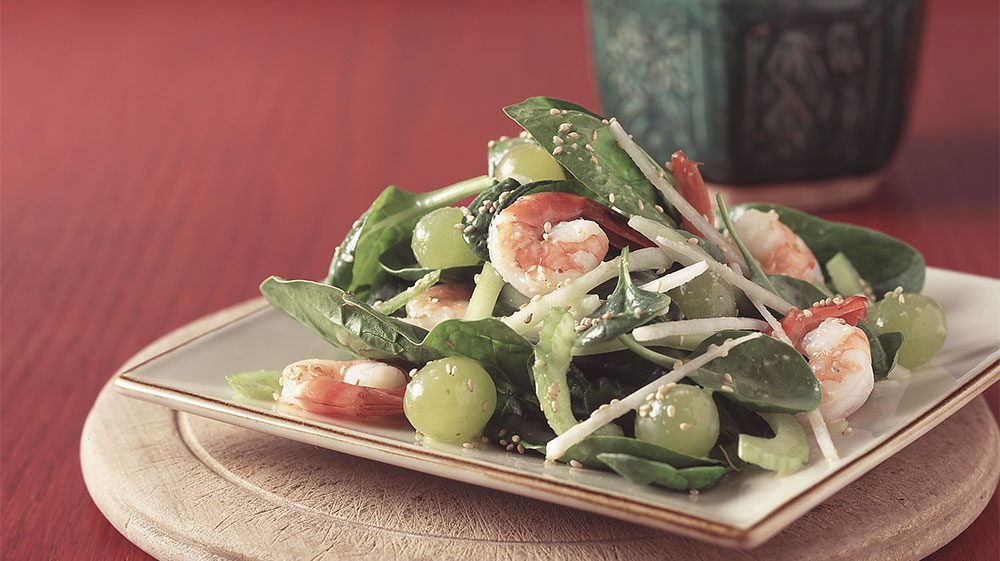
(615, 226)
(340, 399)
(691, 186)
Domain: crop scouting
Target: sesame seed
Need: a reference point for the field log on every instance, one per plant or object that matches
(606, 316)
(486, 405)
(468, 445)
(523, 134)
(594, 135)
(611, 198)
(901, 299)
(565, 127)
(693, 241)
(671, 410)
(658, 208)
(557, 150)
(468, 229)
(605, 122)
(728, 389)
(503, 442)
(413, 372)
(471, 384)
(491, 144)
(650, 397)
(588, 147)
(555, 406)
(503, 138)
(520, 449)
(807, 313)
(574, 136)
(637, 311)
(728, 378)
(576, 464)
(510, 447)
(458, 226)
(547, 227)
(515, 438)
(598, 169)
(349, 258)
(641, 206)
(557, 140)
(357, 223)
(553, 111)
(540, 363)
(503, 432)
(685, 426)
(593, 159)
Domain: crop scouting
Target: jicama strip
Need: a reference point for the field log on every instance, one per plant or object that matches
(611, 411)
(527, 318)
(675, 279)
(687, 255)
(822, 435)
(484, 296)
(779, 331)
(655, 331)
(673, 197)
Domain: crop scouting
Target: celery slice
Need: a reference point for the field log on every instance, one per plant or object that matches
(846, 279)
(787, 452)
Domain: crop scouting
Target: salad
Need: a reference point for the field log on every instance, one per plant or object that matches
(583, 303)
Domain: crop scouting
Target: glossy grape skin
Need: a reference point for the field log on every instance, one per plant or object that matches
(450, 400)
(705, 296)
(693, 407)
(437, 244)
(921, 322)
(527, 163)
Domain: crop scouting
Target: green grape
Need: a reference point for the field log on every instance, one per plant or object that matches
(527, 163)
(705, 296)
(920, 321)
(684, 420)
(450, 400)
(437, 244)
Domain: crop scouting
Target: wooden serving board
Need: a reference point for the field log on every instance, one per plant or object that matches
(187, 488)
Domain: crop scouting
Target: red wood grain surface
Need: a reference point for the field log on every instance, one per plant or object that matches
(160, 158)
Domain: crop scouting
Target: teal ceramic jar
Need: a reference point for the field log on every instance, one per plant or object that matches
(760, 91)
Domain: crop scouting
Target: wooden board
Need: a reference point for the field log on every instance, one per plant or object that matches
(187, 488)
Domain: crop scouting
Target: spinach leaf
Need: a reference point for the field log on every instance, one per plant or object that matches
(587, 395)
(767, 375)
(624, 366)
(647, 472)
(500, 350)
(883, 261)
(625, 309)
(884, 348)
(581, 141)
(586, 452)
(343, 320)
(799, 293)
(388, 222)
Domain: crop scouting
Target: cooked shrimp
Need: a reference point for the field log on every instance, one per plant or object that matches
(778, 249)
(840, 356)
(353, 388)
(543, 239)
(438, 303)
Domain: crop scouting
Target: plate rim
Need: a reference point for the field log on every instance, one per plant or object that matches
(574, 494)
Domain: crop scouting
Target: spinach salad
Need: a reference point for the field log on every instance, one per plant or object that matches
(585, 304)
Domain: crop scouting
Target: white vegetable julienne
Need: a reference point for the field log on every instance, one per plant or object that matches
(530, 316)
(673, 197)
(656, 331)
(611, 411)
(771, 320)
(675, 279)
(688, 255)
(822, 435)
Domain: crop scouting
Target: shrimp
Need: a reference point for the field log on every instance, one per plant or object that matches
(438, 303)
(778, 249)
(840, 357)
(353, 388)
(543, 239)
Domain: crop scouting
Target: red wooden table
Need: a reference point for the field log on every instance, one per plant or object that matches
(160, 158)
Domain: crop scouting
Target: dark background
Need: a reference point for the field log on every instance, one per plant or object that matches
(160, 158)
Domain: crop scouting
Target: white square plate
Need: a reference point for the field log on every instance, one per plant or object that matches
(745, 510)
